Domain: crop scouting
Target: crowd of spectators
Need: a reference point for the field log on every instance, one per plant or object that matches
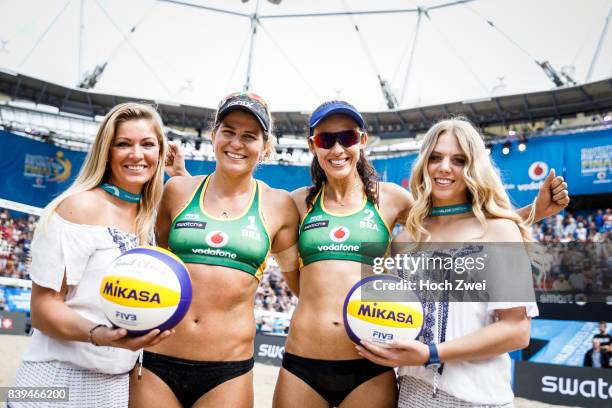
(274, 302)
(599, 355)
(15, 238)
(579, 249)
(592, 227)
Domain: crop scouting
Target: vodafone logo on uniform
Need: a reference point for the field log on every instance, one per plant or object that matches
(339, 234)
(538, 170)
(216, 239)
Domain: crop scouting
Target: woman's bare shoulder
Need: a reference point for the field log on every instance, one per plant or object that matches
(83, 207)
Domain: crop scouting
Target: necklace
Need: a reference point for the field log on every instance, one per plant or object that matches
(120, 193)
(224, 213)
(349, 194)
(451, 209)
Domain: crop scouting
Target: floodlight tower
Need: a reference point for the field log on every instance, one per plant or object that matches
(254, 23)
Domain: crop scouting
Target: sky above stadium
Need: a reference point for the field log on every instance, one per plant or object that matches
(187, 55)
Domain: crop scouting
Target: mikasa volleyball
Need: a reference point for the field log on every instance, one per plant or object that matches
(146, 288)
(379, 316)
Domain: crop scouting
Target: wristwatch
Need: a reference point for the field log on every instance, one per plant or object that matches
(434, 359)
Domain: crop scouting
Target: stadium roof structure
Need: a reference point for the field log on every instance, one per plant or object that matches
(558, 103)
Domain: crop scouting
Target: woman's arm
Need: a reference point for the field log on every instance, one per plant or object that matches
(175, 160)
(284, 245)
(399, 198)
(52, 316)
(552, 198)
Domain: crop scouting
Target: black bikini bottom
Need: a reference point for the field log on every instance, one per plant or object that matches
(190, 379)
(332, 379)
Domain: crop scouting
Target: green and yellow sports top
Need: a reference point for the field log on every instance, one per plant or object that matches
(241, 243)
(359, 236)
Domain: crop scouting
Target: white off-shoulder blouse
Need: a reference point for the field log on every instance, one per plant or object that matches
(82, 253)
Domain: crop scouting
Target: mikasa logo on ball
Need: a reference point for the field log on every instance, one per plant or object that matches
(339, 234)
(380, 320)
(216, 239)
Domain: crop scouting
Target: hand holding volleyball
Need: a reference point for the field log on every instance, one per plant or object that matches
(118, 337)
(397, 353)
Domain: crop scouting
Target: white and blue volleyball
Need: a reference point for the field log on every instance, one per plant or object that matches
(146, 288)
(382, 308)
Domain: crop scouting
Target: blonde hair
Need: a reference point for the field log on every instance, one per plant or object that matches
(484, 186)
(96, 167)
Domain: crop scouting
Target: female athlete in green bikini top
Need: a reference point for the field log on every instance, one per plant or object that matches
(321, 366)
(222, 226)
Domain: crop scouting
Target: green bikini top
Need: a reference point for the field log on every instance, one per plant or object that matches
(239, 243)
(359, 236)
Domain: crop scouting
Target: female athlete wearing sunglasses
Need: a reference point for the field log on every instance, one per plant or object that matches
(223, 227)
(345, 207)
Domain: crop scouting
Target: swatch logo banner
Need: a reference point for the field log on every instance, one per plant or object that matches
(563, 385)
(538, 170)
(47, 169)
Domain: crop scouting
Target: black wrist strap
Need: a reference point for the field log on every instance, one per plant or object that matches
(91, 332)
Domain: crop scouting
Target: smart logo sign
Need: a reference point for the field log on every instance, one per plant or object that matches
(564, 385)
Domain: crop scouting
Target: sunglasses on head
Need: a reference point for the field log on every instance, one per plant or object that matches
(249, 95)
(327, 140)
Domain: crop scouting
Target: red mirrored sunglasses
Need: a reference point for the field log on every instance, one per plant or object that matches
(327, 140)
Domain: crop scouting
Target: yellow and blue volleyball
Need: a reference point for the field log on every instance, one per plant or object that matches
(146, 288)
(382, 308)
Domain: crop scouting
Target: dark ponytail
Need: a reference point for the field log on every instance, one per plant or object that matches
(367, 174)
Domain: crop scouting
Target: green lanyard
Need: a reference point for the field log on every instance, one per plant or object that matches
(120, 193)
(451, 209)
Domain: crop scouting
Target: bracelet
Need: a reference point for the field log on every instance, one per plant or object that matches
(91, 332)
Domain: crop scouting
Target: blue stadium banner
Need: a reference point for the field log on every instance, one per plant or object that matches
(17, 299)
(523, 173)
(396, 170)
(35, 172)
(588, 161)
(275, 175)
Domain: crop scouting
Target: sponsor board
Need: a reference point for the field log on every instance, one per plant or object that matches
(563, 385)
(269, 349)
(12, 323)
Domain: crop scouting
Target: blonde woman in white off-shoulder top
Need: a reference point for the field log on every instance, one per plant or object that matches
(109, 209)
(460, 359)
